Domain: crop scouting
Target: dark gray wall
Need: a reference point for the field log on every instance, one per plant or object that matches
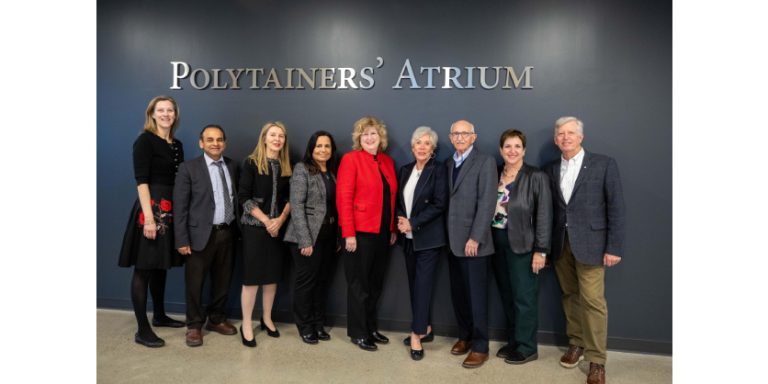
(608, 62)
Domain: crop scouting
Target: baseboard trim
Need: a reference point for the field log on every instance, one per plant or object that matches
(545, 337)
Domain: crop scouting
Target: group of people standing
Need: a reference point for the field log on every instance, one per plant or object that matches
(509, 219)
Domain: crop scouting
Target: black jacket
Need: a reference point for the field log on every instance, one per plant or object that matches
(529, 211)
(430, 200)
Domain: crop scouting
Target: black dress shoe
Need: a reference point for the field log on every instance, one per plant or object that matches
(310, 338)
(323, 335)
(247, 343)
(271, 333)
(365, 344)
(426, 339)
(166, 322)
(505, 351)
(516, 357)
(151, 341)
(379, 338)
(417, 354)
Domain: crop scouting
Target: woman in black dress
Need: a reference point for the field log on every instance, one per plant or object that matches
(148, 240)
(263, 191)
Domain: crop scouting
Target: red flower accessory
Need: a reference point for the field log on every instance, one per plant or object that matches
(165, 205)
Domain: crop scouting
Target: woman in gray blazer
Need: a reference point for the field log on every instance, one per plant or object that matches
(311, 234)
(522, 228)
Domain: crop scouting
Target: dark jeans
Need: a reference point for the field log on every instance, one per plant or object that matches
(421, 271)
(469, 294)
(519, 291)
(217, 259)
(365, 269)
(313, 276)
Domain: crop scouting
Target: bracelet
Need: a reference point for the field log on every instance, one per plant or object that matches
(152, 223)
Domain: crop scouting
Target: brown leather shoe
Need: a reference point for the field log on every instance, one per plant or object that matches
(461, 347)
(596, 374)
(194, 337)
(225, 328)
(474, 360)
(572, 356)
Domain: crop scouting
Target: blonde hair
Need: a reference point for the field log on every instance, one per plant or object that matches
(259, 154)
(149, 122)
(365, 122)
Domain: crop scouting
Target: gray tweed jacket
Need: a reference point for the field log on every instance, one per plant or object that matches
(307, 206)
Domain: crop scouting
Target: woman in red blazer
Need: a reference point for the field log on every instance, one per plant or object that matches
(365, 198)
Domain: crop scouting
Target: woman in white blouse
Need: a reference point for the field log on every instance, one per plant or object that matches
(421, 202)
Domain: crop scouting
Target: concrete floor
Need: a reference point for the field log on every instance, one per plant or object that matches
(223, 359)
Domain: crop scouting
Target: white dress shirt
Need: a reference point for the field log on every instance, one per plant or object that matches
(569, 171)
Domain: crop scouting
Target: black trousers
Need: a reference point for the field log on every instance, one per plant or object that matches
(216, 258)
(421, 276)
(365, 269)
(313, 276)
(469, 294)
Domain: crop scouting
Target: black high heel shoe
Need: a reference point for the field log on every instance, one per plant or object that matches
(417, 354)
(247, 343)
(271, 333)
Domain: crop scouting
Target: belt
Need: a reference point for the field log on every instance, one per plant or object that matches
(219, 227)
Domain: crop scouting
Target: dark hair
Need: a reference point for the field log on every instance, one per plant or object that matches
(214, 126)
(312, 167)
(510, 133)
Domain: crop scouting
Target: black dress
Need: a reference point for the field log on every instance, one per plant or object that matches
(155, 162)
(263, 255)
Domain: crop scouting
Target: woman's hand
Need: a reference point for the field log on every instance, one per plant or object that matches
(538, 262)
(392, 238)
(351, 244)
(150, 230)
(403, 225)
(306, 251)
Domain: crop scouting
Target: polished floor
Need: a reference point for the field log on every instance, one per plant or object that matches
(223, 359)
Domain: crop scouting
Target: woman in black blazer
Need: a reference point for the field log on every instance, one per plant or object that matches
(421, 201)
(522, 228)
(312, 234)
(263, 191)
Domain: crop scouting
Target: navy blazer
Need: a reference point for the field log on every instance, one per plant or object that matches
(193, 204)
(430, 199)
(594, 217)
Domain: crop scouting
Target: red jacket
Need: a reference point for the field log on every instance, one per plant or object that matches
(359, 191)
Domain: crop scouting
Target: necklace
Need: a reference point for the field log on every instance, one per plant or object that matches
(509, 174)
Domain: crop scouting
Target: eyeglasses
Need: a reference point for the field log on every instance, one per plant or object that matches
(463, 135)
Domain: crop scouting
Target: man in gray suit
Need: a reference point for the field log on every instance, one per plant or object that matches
(472, 182)
(204, 201)
(587, 237)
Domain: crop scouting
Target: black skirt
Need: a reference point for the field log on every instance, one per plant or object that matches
(159, 253)
(263, 256)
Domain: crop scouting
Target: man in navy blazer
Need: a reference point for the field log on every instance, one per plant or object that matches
(204, 201)
(588, 235)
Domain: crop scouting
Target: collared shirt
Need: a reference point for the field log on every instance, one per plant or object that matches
(459, 159)
(218, 194)
(569, 171)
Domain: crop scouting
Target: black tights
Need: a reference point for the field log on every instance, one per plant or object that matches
(154, 279)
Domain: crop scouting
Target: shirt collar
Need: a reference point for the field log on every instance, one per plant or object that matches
(576, 159)
(460, 158)
(209, 161)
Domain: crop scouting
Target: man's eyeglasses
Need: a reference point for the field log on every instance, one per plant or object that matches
(463, 135)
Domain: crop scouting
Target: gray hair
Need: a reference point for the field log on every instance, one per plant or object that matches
(567, 119)
(471, 126)
(424, 130)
